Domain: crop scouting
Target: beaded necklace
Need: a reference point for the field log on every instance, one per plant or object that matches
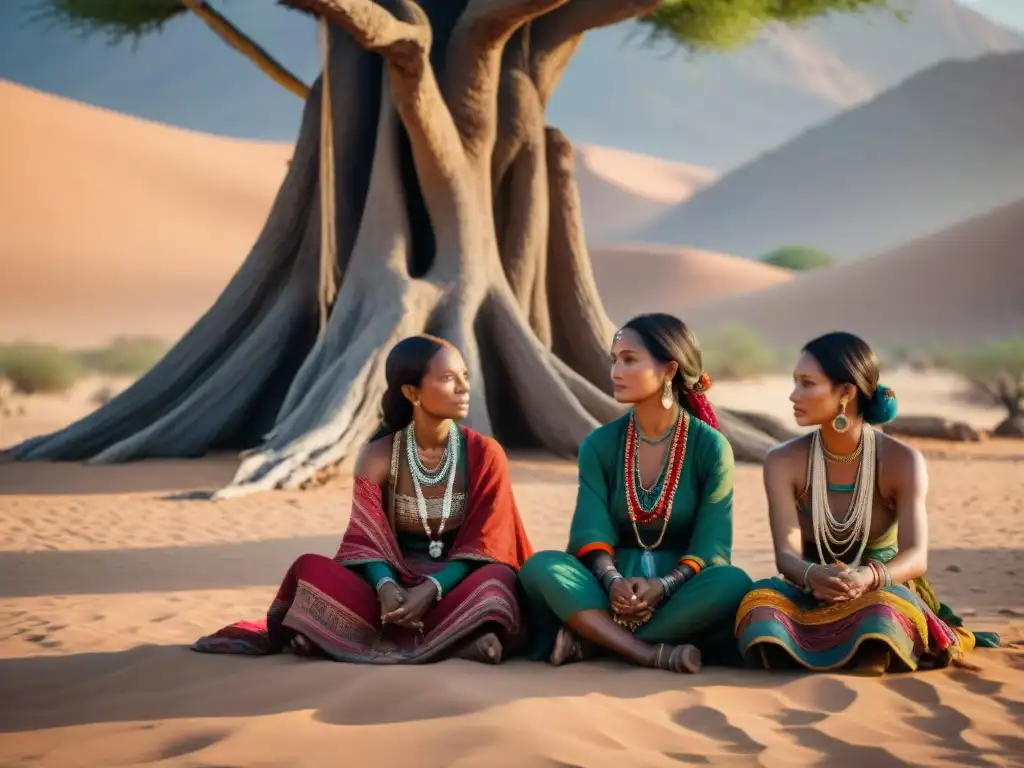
(445, 471)
(648, 506)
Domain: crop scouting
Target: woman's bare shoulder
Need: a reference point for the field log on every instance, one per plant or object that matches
(899, 462)
(374, 460)
(788, 456)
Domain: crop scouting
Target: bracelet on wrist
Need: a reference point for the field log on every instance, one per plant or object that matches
(609, 577)
(381, 582)
(806, 584)
(437, 586)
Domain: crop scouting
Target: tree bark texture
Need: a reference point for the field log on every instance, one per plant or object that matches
(457, 214)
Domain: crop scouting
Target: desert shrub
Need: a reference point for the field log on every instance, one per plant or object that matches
(996, 373)
(125, 356)
(33, 368)
(738, 352)
(798, 257)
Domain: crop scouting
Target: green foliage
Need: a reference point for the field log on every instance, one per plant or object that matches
(987, 362)
(725, 24)
(798, 257)
(694, 24)
(117, 19)
(125, 356)
(738, 352)
(35, 368)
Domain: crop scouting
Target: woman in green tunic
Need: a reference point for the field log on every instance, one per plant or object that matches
(647, 574)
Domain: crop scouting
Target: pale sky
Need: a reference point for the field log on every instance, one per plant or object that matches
(1009, 13)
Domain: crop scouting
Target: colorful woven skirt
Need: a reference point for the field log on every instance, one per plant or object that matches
(339, 611)
(779, 625)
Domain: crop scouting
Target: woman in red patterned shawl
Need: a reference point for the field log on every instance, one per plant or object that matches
(427, 567)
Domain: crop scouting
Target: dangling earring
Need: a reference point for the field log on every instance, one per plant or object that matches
(841, 422)
(667, 398)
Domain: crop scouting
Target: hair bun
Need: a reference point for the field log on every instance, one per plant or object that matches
(882, 407)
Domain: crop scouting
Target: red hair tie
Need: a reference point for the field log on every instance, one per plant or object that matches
(700, 407)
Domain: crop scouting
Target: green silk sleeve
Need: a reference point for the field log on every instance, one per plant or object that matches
(711, 542)
(592, 527)
(452, 574)
(374, 572)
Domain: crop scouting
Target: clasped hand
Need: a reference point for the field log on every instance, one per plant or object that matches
(635, 599)
(839, 583)
(406, 607)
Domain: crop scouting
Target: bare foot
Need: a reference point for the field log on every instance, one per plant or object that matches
(567, 648)
(485, 649)
(301, 646)
(677, 658)
(871, 662)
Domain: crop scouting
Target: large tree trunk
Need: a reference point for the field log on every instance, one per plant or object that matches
(457, 214)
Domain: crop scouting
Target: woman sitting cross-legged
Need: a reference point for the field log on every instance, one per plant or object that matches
(850, 528)
(427, 566)
(647, 574)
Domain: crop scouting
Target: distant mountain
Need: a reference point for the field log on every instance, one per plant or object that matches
(1009, 13)
(945, 145)
(713, 110)
(959, 285)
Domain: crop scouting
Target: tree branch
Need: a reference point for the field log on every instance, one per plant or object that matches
(557, 35)
(399, 30)
(372, 25)
(474, 67)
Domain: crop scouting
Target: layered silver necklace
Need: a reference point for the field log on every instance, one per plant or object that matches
(445, 471)
(834, 537)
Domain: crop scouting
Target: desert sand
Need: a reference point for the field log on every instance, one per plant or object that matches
(108, 573)
(961, 284)
(664, 278)
(622, 191)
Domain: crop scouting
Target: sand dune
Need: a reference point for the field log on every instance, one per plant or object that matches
(941, 147)
(649, 278)
(112, 224)
(620, 190)
(962, 284)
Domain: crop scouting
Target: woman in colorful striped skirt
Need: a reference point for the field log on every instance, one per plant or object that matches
(850, 529)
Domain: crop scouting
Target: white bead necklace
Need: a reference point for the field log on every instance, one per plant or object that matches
(833, 537)
(447, 469)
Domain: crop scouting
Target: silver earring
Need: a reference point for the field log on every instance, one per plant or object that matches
(667, 397)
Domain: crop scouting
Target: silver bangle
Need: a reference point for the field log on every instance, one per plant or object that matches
(609, 577)
(667, 585)
(383, 581)
(437, 584)
(807, 587)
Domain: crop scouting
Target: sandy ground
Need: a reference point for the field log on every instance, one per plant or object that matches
(933, 394)
(106, 573)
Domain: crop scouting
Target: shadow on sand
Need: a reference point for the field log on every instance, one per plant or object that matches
(158, 683)
(47, 478)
